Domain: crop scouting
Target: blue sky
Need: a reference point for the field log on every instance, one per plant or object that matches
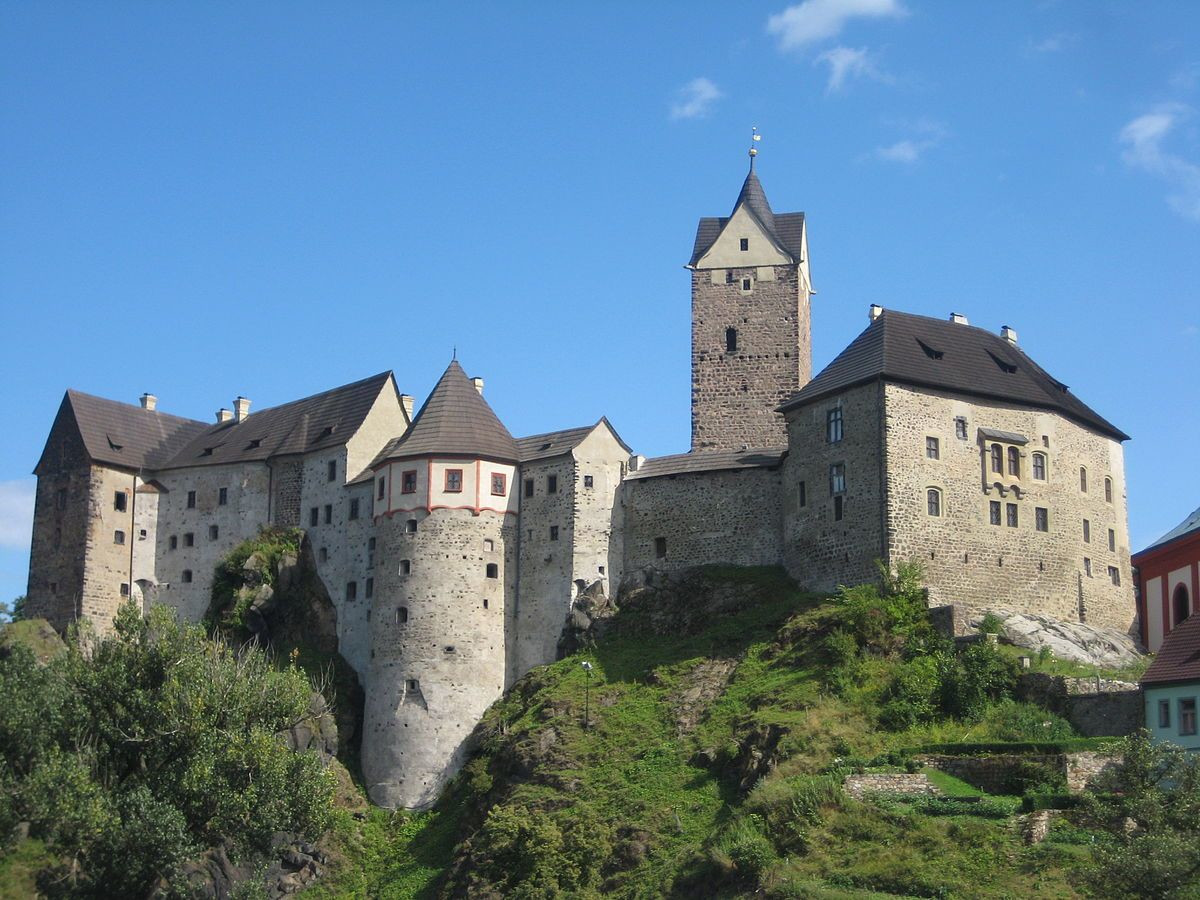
(209, 199)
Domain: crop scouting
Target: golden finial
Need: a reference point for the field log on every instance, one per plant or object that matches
(755, 137)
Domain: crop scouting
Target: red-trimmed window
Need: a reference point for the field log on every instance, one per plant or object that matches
(499, 484)
(454, 481)
(408, 482)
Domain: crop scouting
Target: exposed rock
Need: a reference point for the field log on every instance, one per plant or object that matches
(36, 634)
(1037, 827)
(590, 610)
(291, 866)
(1073, 641)
(701, 686)
(318, 731)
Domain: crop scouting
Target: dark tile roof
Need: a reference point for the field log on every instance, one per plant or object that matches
(786, 228)
(1190, 525)
(1178, 658)
(708, 461)
(945, 355)
(324, 420)
(455, 421)
(556, 443)
(121, 434)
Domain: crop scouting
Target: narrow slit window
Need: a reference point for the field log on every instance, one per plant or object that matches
(730, 340)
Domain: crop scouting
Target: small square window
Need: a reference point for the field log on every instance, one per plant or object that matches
(994, 512)
(1114, 575)
(746, 284)
(744, 244)
(551, 484)
(214, 532)
(528, 487)
(120, 501)
(314, 517)
(554, 532)
(412, 684)
(401, 618)
(660, 548)
(191, 499)
(454, 481)
(729, 276)
(186, 576)
(1164, 713)
(408, 482)
(351, 590)
(222, 496)
(328, 513)
(331, 475)
(489, 546)
(932, 450)
(381, 485)
(118, 537)
(1011, 514)
(588, 481)
(124, 589)
(960, 428)
(493, 570)
(142, 534)
(1041, 518)
(353, 514)
(499, 484)
(189, 540)
(410, 526)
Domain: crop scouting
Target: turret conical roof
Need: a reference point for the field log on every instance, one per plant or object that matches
(754, 197)
(455, 421)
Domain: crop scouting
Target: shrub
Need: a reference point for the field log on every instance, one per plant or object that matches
(981, 674)
(991, 624)
(747, 847)
(912, 697)
(881, 617)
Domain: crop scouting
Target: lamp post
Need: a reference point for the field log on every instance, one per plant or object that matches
(587, 693)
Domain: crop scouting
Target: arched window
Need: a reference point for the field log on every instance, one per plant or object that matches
(730, 339)
(1014, 462)
(933, 501)
(1039, 466)
(1180, 601)
(1108, 489)
(997, 459)
(1083, 479)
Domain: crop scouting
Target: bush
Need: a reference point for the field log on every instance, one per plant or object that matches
(881, 618)
(980, 675)
(991, 624)
(747, 847)
(912, 697)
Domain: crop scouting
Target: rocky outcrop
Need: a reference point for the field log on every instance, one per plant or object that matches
(291, 865)
(1074, 641)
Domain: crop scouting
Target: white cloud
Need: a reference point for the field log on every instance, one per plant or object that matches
(815, 20)
(927, 135)
(1144, 139)
(695, 99)
(16, 513)
(846, 63)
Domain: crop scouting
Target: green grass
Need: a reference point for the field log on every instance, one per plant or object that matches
(1051, 665)
(19, 867)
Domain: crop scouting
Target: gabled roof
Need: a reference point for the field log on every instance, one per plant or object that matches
(324, 420)
(120, 434)
(557, 443)
(945, 355)
(708, 461)
(1178, 658)
(787, 229)
(1190, 525)
(455, 421)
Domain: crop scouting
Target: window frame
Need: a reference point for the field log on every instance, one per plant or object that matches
(1108, 489)
(837, 478)
(1038, 466)
(1041, 518)
(1012, 515)
(1083, 484)
(352, 514)
(382, 488)
(996, 452)
(960, 427)
(551, 484)
(933, 447)
(501, 479)
(1187, 716)
(933, 502)
(1164, 713)
(121, 501)
(835, 425)
(191, 499)
(452, 481)
(1014, 462)
(408, 481)
(995, 513)
(331, 470)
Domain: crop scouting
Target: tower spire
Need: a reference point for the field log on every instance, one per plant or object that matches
(755, 137)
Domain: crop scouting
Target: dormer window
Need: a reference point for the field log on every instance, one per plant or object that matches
(744, 244)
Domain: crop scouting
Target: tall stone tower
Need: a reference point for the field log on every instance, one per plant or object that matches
(751, 331)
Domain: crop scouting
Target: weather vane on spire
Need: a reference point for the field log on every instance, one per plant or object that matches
(755, 137)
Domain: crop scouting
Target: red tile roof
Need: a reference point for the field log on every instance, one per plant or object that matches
(1179, 656)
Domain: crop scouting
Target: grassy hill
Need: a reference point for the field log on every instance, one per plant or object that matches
(704, 755)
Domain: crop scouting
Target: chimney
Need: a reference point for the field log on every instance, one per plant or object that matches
(1009, 334)
(149, 401)
(241, 409)
(406, 404)
(959, 319)
(876, 311)
(223, 415)
(478, 382)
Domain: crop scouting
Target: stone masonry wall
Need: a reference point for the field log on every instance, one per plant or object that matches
(981, 565)
(287, 483)
(705, 517)
(110, 543)
(595, 540)
(819, 550)
(735, 393)
(438, 647)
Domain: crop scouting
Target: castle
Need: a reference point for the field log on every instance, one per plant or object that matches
(452, 551)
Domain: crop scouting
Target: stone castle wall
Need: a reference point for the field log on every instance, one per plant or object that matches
(970, 561)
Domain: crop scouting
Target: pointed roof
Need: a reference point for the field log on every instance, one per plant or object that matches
(454, 421)
(556, 443)
(1178, 658)
(1190, 525)
(786, 229)
(945, 355)
(753, 196)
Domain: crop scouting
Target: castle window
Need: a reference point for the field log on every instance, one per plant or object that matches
(499, 484)
(1039, 466)
(833, 425)
(1187, 716)
(124, 589)
(1041, 518)
(54, 587)
(449, 648)
(1164, 713)
(1087, 531)
(744, 243)
(1180, 601)
(142, 534)
(453, 481)
(191, 499)
(412, 685)
(58, 538)
(1112, 540)
(213, 532)
(172, 542)
(118, 537)
(493, 570)
(401, 618)
(331, 475)
(837, 478)
(60, 500)
(802, 494)
(1011, 512)
(588, 481)
(1114, 575)
(489, 546)
(189, 539)
(370, 591)
(554, 532)
(351, 590)
(932, 448)
(745, 285)
(1107, 489)
(353, 514)
(960, 428)
(322, 555)
(120, 501)
(410, 526)
(408, 482)
(528, 487)
(838, 508)
(933, 501)
(730, 340)
(1087, 567)
(660, 548)
(222, 496)
(405, 567)
(379, 495)
(994, 512)
(314, 517)
(551, 484)
(485, 602)
(1014, 462)
(186, 576)
(1083, 479)
(997, 459)
(371, 553)
(729, 276)
(328, 513)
